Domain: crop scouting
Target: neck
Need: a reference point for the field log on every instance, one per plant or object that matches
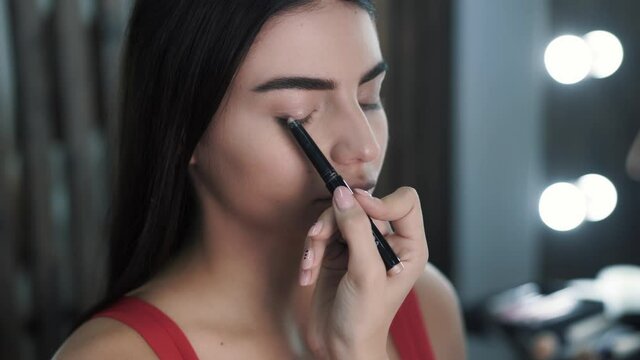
(245, 276)
(255, 272)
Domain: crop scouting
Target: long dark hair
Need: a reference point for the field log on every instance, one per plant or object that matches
(179, 58)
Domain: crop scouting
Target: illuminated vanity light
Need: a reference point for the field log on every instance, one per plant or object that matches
(607, 53)
(568, 59)
(562, 206)
(601, 196)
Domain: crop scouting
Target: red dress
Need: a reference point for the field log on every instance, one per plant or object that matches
(169, 342)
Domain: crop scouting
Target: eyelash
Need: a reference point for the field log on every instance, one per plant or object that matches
(364, 107)
(371, 107)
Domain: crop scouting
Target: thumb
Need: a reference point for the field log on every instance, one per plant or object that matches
(365, 264)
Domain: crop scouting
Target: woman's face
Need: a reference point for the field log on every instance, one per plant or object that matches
(324, 64)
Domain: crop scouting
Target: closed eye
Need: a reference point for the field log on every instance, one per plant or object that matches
(371, 107)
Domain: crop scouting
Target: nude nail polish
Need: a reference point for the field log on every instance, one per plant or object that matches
(307, 259)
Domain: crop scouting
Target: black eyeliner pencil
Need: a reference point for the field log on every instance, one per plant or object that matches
(332, 180)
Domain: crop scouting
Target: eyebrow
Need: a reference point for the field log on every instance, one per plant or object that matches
(308, 83)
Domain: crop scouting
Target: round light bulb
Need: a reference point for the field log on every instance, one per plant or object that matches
(607, 53)
(562, 206)
(568, 59)
(601, 196)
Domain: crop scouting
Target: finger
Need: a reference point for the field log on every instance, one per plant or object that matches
(409, 252)
(329, 226)
(355, 228)
(401, 208)
(320, 235)
(383, 226)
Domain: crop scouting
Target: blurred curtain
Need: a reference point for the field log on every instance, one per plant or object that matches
(58, 73)
(416, 42)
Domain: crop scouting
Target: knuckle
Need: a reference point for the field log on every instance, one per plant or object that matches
(313, 239)
(409, 192)
(322, 238)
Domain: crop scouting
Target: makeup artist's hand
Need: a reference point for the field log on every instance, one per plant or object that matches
(355, 298)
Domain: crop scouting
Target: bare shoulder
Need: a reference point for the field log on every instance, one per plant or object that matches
(104, 338)
(442, 314)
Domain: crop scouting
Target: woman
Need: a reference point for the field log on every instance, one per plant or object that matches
(214, 199)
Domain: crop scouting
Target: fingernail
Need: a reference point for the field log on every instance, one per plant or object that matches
(396, 269)
(305, 277)
(363, 192)
(315, 229)
(307, 259)
(343, 198)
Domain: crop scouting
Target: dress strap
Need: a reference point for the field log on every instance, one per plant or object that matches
(162, 334)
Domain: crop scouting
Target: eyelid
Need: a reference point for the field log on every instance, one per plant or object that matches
(303, 119)
(294, 114)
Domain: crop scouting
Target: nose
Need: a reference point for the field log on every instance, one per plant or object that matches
(354, 140)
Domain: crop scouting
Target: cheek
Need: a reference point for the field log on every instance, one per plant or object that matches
(251, 168)
(253, 158)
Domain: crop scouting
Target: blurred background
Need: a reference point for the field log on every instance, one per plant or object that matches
(496, 116)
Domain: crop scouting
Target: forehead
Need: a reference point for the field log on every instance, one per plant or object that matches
(335, 40)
